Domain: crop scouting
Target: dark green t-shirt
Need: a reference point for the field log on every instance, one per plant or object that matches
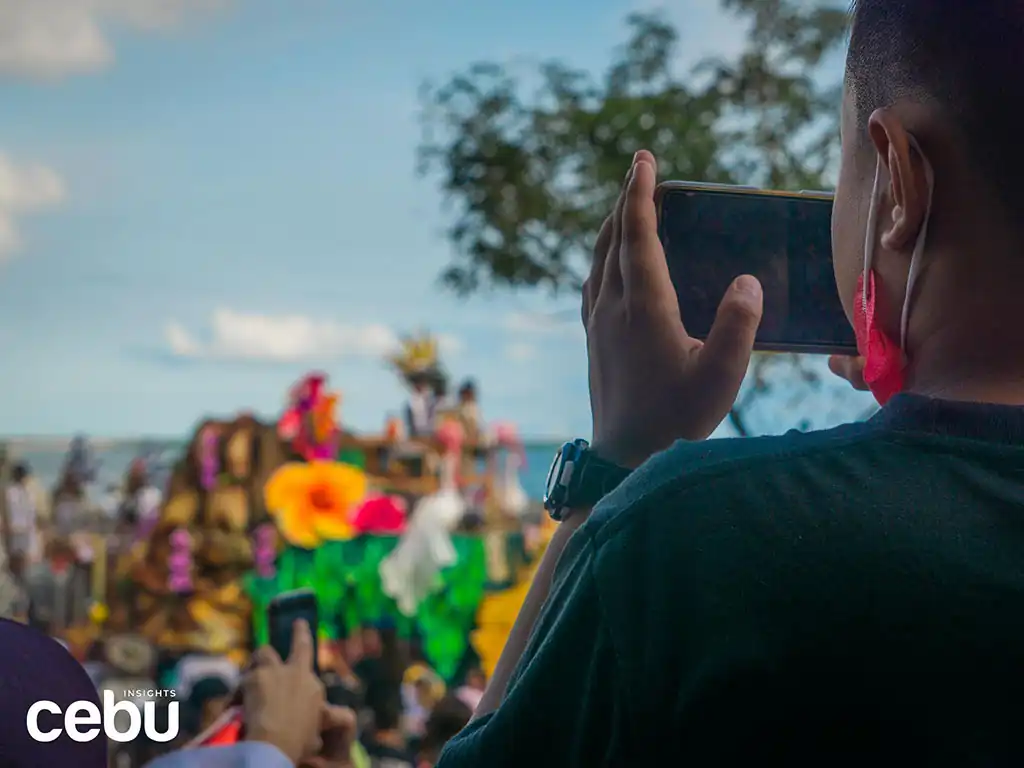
(848, 597)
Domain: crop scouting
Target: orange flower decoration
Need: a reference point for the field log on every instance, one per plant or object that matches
(325, 419)
(312, 502)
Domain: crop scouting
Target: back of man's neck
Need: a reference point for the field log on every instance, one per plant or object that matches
(983, 364)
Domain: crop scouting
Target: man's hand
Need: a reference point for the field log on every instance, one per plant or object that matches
(650, 382)
(849, 368)
(284, 701)
(338, 733)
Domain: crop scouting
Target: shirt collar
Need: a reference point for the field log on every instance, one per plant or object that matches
(976, 421)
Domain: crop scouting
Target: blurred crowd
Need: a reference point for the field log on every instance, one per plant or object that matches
(404, 711)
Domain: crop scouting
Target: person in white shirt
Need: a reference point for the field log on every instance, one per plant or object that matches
(21, 515)
(419, 412)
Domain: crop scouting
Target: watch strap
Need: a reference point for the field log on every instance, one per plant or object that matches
(596, 480)
(579, 479)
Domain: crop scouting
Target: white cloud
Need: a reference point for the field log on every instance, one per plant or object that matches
(240, 336)
(538, 323)
(520, 352)
(25, 188)
(449, 345)
(47, 39)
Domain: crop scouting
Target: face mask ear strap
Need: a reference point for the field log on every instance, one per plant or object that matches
(869, 238)
(915, 258)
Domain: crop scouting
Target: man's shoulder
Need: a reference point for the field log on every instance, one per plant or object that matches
(709, 470)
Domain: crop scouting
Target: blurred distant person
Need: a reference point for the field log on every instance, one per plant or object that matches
(13, 599)
(442, 402)
(24, 542)
(473, 689)
(110, 502)
(381, 668)
(448, 717)
(80, 464)
(422, 688)
(207, 699)
(385, 741)
(68, 507)
(469, 411)
(58, 588)
(140, 508)
(419, 411)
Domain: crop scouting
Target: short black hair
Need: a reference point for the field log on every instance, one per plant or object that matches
(448, 718)
(963, 56)
(387, 710)
(207, 689)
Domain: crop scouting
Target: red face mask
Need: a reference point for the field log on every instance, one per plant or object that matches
(884, 357)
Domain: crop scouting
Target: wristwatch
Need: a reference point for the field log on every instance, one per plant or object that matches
(578, 479)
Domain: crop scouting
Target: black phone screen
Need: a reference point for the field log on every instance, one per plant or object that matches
(712, 237)
(282, 614)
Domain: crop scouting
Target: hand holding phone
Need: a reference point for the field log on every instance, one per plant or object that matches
(651, 382)
(284, 699)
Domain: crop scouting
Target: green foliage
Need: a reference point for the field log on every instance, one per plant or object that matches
(346, 579)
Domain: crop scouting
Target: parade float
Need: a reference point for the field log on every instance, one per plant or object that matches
(425, 533)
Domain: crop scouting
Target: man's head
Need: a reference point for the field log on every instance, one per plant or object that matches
(20, 473)
(420, 382)
(207, 699)
(448, 718)
(947, 77)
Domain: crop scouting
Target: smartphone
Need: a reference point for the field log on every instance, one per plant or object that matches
(283, 612)
(713, 233)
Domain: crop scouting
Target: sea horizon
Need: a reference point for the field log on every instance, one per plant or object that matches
(45, 454)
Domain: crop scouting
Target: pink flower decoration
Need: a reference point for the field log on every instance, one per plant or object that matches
(380, 515)
(209, 464)
(289, 425)
(179, 562)
(265, 551)
(506, 434)
(451, 435)
(304, 394)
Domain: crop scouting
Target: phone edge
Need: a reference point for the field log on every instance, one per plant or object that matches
(736, 189)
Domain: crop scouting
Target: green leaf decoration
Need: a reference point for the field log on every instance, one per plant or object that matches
(352, 456)
(345, 575)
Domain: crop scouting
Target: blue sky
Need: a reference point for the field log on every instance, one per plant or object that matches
(201, 199)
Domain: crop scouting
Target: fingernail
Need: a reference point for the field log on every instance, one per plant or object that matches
(747, 285)
(636, 156)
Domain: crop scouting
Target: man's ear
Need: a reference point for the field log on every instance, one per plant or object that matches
(903, 209)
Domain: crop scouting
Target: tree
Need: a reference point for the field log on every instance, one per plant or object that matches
(530, 175)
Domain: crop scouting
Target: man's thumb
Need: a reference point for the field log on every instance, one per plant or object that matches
(731, 340)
